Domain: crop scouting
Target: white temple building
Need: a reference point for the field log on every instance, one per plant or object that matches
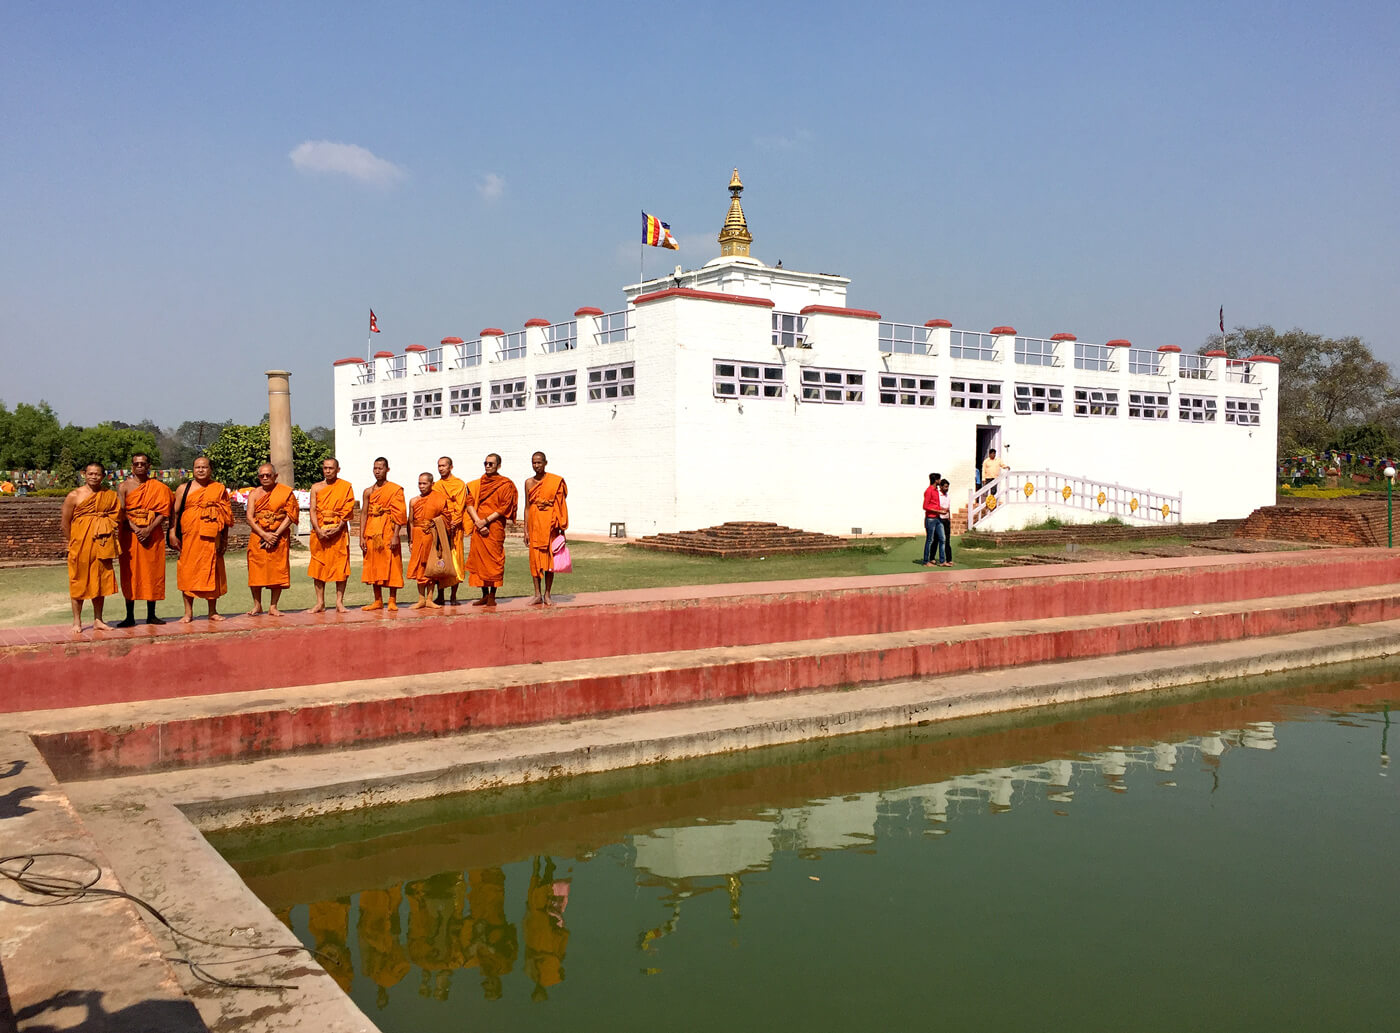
(743, 391)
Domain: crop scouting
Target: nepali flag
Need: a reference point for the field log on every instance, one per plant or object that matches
(657, 233)
(373, 323)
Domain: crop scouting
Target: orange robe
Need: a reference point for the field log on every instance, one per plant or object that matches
(486, 563)
(383, 517)
(272, 568)
(546, 937)
(425, 509)
(454, 490)
(143, 566)
(546, 513)
(329, 922)
(330, 559)
(382, 955)
(92, 546)
(203, 521)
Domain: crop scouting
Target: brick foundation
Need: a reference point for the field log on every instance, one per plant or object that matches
(32, 529)
(1346, 522)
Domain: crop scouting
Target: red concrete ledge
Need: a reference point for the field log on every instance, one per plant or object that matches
(346, 362)
(687, 292)
(835, 310)
(47, 668)
(256, 733)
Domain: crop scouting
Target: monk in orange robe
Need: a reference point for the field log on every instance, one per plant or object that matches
(383, 957)
(455, 491)
(425, 509)
(146, 507)
(203, 516)
(490, 503)
(546, 937)
(272, 519)
(90, 516)
(546, 515)
(382, 519)
(332, 503)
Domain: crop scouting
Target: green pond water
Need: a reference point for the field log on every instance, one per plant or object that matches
(1227, 859)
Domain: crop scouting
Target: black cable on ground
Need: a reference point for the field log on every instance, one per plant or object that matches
(62, 889)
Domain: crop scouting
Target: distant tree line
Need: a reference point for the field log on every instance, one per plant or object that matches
(32, 438)
(1334, 394)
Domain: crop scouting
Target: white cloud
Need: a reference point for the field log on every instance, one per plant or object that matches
(491, 187)
(799, 138)
(345, 159)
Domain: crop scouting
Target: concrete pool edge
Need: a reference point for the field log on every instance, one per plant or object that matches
(150, 826)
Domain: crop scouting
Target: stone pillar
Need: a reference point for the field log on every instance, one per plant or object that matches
(279, 425)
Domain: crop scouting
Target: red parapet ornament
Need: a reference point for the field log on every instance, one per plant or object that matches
(1003, 331)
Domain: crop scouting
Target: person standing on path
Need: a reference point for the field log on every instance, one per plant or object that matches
(203, 516)
(272, 517)
(146, 507)
(933, 526)
(546, 515)
(491, 501)
(90, 516)
(332, 503)
(946, 517)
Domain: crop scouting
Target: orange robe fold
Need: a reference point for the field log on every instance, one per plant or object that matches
(454, 490)
(384, 515)
(330, 559)
(272, 568)
(92, 545)
(486, 562)
(546, 513)
(426, 508)
(143, 566)
(203, 521)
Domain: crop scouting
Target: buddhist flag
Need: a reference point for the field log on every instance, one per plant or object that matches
(1222, 319)
(373, 323)
(657, 233)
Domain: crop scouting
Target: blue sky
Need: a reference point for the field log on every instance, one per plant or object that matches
(1111, 170)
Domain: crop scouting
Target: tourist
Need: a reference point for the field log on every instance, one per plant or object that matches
(332, 503)
(946, 517)
(382, 519)
(992, 468)
(933, 526)
(90, 515)
(546, 515)
(490, 503)
(272, 515)
(199, 531)
(146, 507)
(455, 491)
(425, 511)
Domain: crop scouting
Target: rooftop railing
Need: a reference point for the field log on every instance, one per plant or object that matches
(969, 344)
(1240, 371)
(366, 373)
(614, 327)
(1037, 351)
(512, 346)
(1094, 357)
(1144, 362)
(468, 353)
(1196, 367)
(430, 361)
(397, 366)
(561, 337)
(906, 339)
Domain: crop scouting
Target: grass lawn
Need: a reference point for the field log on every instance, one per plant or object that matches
(39, 595)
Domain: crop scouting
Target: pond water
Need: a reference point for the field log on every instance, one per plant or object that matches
(1225, 858)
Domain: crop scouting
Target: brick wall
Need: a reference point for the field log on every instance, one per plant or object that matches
(1346, 522)
(32, 529)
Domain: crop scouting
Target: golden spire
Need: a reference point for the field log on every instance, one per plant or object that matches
(735, 238)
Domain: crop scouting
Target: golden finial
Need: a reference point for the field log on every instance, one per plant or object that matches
(734, 238)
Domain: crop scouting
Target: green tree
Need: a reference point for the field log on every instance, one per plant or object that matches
(190, 440)
(1367, 439)
(113, 447)
(325, 435)
(32, 437)
(240, 450)
(1326, 384)
(65, 474)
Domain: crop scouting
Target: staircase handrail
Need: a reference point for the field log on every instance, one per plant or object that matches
(1102, 498)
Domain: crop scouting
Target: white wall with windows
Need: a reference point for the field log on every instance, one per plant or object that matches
(694, 405)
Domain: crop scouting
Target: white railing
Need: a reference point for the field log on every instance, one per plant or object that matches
(1037, 351)
(512, 346)
(397, 366)
(1144, 362)
(1094, 357)
(1239, 371)
(614, 327)
(1047, 488)
(468, 353)
(430, 361)
(561, 337)
(969, 344)
(1196, 367)
(366, 373)
(906, 339)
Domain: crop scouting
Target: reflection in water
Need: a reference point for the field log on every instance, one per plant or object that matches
(693, 858)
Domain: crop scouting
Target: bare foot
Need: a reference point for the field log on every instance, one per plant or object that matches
(421, 604)
(77, 629)
(101, 626)
(341, 608)
(253, 613)
(391, 605)
(376, 605)
(548, 601)
(216, 616)
(537, 601)
(318, 608)
(186, 620)
(274, 612)
(434, 606)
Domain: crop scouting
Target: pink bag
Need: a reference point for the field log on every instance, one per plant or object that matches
(563, 562)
